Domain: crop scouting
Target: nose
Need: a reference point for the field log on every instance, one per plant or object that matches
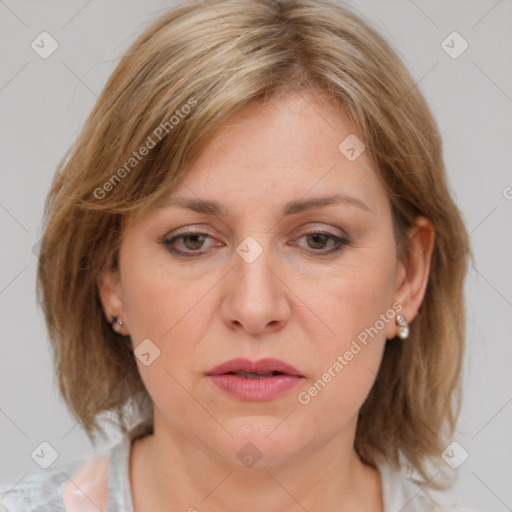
(256, 297)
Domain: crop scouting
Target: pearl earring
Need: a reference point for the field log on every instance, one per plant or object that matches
(403, 327)
(115, 322)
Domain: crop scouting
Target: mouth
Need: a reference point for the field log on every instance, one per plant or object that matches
(264, 368)
(255, 381)
(253, 375)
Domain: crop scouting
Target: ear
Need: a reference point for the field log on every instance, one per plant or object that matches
(413, 271)
(111, 296)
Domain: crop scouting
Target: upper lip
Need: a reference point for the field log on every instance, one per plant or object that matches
(262, 366)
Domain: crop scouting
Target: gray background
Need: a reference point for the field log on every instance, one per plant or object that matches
(45, 101)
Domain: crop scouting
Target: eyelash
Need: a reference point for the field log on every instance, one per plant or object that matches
(340, 244)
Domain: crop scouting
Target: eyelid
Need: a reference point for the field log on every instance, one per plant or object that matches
(201, 231)
(328, 231)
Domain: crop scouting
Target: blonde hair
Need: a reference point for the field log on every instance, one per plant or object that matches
(215, 57)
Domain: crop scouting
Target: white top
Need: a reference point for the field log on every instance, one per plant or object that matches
(100, 482)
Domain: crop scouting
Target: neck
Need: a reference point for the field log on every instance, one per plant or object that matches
(169, 472)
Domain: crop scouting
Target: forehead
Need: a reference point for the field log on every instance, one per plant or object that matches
(271, 154)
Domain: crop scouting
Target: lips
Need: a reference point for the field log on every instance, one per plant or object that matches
(255, 381)
(267, 367)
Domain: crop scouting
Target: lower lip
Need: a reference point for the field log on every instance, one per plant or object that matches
(255, 390)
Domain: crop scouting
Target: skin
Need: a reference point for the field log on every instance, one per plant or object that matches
(291, 303)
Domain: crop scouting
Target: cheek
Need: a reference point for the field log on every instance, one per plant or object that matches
(168, 309)
(346, 363)
(356, 306)
(169, 312)
(157, 298)
(354, 300)
(150, 303)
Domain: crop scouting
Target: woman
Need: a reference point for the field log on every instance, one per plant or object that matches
(248, 258)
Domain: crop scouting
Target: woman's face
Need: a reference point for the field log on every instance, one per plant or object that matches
(272, 276)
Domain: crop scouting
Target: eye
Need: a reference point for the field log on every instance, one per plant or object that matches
(319, 239)
(192, 241)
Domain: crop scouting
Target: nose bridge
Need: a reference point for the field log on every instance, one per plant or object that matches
(252, 265)
(254, 299)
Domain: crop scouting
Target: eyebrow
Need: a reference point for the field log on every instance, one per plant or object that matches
(290, 208)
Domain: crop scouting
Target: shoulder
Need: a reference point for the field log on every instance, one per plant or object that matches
(101, 477)
(406, 494)
(52, 489)
(37, 491)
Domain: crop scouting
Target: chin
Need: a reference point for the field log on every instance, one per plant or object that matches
(259, 441)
